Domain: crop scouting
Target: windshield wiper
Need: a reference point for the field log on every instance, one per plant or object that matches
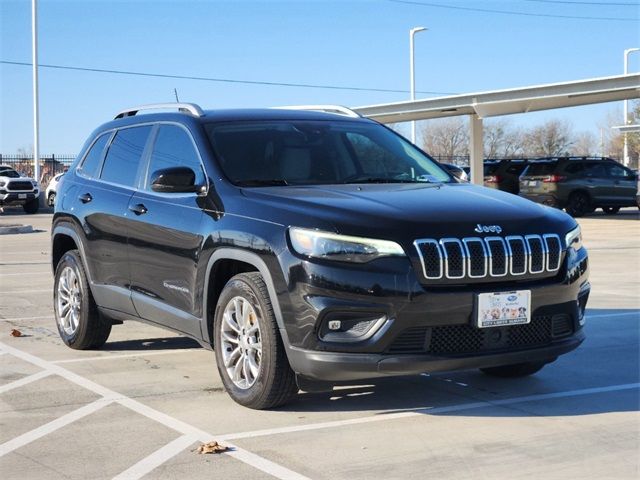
(378, 180)
(262, 182)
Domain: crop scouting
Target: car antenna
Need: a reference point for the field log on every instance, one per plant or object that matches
(175, 92)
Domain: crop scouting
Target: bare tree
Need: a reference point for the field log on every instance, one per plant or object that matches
(502, 140)
(585, 144)
(554, 137)
(447, 137)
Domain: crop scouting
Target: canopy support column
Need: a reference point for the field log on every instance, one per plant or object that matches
(476, 150)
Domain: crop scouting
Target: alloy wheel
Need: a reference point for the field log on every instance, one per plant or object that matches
(68, 301)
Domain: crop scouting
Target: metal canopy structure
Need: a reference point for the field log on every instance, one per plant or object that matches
(506, 102)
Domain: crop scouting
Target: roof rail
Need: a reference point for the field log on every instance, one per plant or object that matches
(191, 108)
(337, 109)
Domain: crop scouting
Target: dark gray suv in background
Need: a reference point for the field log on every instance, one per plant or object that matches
(580, 184)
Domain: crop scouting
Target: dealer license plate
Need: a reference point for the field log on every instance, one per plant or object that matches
(533, 183)
(22, 195)
(503, 308)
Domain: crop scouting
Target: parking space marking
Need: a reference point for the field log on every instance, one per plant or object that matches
(20, 319)
(36, 433)
(11, 292)
(25, 381)
(157, 458)
(431, 411)
(128, 355)
(249, 458)
(25, 273)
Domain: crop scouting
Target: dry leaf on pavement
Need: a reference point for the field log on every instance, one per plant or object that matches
(212, 447)
(16, 333)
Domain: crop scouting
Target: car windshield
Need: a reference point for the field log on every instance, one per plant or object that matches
(540, 168)
(8, 172)
(292, 152)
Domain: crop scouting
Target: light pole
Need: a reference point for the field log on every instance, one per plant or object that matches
(412, 75)
(36, 113)
(625, 154)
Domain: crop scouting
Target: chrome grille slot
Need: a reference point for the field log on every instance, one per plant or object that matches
(489, 257)
(537, 253)
(518, 255)
(454, 257)
(554, 251)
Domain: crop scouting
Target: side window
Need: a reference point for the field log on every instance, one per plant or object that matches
(618, 171)
(594, 170)
(92, 159)
(173, 148)
(574, 168)
(124, 154)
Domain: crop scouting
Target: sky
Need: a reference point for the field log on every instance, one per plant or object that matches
(362, 44)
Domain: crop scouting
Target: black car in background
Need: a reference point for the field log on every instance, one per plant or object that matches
(580, 184)
(305, 246)
(504, 174)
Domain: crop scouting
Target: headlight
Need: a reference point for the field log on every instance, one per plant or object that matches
(573, 239)
(35, 184)
(3, 183)
(343, 248)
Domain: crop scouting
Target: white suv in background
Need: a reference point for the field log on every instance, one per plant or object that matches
(50, 192)
(18, 190)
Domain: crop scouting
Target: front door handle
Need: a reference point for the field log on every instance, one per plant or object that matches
(85, 198)
(138, 209)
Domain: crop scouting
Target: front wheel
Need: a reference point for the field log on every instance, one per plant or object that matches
(51, 199)
(249, 350)
(31, 206)
(515, 370)
(80, 325)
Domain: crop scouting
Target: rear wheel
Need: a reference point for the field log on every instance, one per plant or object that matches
(249, 350)
(579, 204)
(31, 206)
(610, 210)
(515, 370)
(80, 325)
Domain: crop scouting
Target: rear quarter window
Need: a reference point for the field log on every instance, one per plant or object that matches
(542, 168)
(91, 162)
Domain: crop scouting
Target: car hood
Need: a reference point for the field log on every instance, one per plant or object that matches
(409, 210)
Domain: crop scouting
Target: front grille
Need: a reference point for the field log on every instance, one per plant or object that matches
(464, 339)
(490, 257)
(15, 186)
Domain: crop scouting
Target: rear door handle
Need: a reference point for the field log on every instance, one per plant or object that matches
(85, 198)
(138, 209)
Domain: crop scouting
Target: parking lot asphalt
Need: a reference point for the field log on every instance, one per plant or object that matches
(141, 405)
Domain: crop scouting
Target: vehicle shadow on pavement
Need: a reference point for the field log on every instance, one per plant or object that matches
(163, 343)
(630, 214)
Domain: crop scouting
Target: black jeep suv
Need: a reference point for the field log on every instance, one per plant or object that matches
(580, 184)
(308, 246)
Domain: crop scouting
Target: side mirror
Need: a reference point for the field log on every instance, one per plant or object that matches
(175, 180)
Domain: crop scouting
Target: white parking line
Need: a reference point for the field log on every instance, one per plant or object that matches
(25, 381)
(25, 273)
(251, 459)
(20, 292)
(157, 458)
(54, 425)
(430, 411)
(21, 319)
(128, 355)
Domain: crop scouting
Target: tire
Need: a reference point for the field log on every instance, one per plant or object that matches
(31, 206)
(83, 328)
(610, 210)
(515, 370)
(51, 199)
(579, 204)
(256, 377)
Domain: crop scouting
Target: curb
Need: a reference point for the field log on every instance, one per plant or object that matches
(12, 229)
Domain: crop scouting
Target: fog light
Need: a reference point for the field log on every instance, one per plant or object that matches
(350, 326)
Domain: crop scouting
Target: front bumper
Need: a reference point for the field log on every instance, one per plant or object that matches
(339, 367)
(14, 198)
(427, 329)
